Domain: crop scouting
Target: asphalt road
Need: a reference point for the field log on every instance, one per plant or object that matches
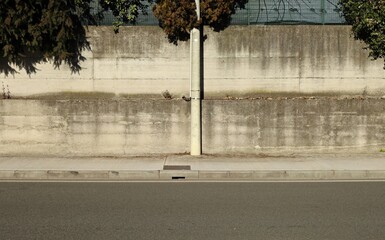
(185, 210)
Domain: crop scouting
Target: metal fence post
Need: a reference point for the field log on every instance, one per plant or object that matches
(323, 11)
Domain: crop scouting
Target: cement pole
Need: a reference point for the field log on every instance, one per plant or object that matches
(195, 94)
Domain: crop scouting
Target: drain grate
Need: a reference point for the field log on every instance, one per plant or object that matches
(176, 167)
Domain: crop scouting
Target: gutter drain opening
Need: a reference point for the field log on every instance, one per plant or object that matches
(177, 177)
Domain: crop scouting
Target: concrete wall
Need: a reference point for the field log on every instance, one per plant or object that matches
(242, 59)
(143, 127)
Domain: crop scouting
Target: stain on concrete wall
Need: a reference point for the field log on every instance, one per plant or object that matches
(145, 127)
(139, 60)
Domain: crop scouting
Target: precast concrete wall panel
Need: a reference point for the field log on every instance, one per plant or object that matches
(242, 59)
(103, 128)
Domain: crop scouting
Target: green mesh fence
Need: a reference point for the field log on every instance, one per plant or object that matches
(268, 12)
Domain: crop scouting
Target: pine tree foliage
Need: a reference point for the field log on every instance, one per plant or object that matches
(35, 31)
(38, 31)
(368, 23)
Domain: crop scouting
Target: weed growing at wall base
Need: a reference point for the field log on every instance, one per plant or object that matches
(4, 96)
(6, 93)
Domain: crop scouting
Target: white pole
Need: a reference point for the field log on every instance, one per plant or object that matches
(198, 6)
(195, 94)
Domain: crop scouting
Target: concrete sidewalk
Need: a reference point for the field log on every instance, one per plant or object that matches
(206, 167)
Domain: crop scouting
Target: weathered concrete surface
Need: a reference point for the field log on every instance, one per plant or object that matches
(93, 127)
(294, 125)
(143, 127)
(207, 167)
(242, 59)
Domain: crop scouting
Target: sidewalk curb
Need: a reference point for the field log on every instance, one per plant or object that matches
(256, 175)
